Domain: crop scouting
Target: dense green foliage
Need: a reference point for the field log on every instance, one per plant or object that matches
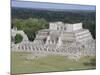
(30, 26)
(32, 20)
(18, 38)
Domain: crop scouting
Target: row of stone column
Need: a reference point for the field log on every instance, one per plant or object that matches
(71, 50)
(65, 50)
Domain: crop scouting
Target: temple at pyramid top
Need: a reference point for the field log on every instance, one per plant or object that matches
(61, 38)
(65, 26)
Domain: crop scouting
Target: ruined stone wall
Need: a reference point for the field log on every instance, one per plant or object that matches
(72, 44)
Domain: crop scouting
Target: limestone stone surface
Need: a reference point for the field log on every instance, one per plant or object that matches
(61, 38)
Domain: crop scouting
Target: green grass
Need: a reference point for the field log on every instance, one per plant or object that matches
(19, 63)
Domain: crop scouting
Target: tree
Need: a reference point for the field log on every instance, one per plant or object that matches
(30, 26)
(18, 38)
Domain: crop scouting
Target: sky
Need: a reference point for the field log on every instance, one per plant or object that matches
(44, 5)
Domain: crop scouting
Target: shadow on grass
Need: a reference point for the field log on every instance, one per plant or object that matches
(92, 62)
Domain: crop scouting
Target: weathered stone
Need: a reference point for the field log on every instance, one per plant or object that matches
(64, 39)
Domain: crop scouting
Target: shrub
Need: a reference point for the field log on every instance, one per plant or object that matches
(18, 38)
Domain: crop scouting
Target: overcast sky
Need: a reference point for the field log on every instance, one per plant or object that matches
(29, 4)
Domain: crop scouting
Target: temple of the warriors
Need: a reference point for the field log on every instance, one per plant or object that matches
(60, 39)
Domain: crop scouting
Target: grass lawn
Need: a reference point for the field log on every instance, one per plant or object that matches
(19, 63)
